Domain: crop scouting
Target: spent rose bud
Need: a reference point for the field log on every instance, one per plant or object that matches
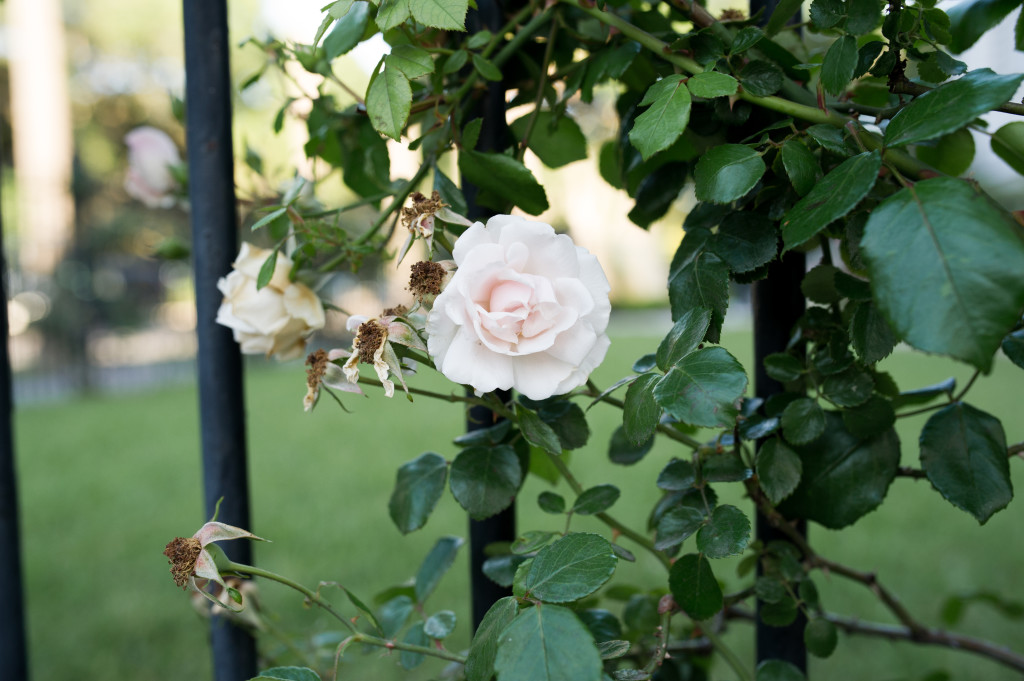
(274, 320)
(151, 154)
(526, 309)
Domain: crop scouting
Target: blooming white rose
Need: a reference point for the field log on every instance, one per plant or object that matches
(151, 153)
(526, 309)
(274, 320)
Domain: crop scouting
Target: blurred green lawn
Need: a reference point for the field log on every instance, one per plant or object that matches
(107, 481)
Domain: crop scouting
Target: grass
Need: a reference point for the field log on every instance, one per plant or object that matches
(106, 482)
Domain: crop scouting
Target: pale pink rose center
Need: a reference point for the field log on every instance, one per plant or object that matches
(514, 315)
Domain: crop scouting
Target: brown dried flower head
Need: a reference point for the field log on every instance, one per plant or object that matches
(427, 279)
(183, 552)
(732, 15)
(421, 207)
(369, 339)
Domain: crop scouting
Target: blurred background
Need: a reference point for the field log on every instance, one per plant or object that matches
(102, 315)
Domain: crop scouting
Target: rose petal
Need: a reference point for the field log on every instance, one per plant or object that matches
(469, 362)
(540, 376)
(300, 302)
(216, 531)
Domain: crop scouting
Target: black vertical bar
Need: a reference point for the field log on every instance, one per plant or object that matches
(500, 527)
(214, 245)
(777, 303)
(13, 646)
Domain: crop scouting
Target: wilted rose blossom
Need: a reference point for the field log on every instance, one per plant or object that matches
(526, 309)
(274, 320)
(151, 152)
(192, 564)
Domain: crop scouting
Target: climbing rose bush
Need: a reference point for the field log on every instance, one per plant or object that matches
(275, 319)
(527, 309)
(151, 154)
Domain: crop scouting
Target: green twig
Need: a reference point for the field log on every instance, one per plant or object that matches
(357, 636)
(608, 520)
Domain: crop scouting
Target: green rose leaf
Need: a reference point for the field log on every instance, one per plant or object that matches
(863, 15)
(289, 674)
(803, 421)
(870, 334)
(394, 613)
(783, 367)
(832, 198)
(266, 272)
(920, 396)
(801, 166)
(945, 266)
(416, 637)
(844, 477)
(694, 586)
(727, 172)
(702, 388)
(701, 282)
(347, 31)
(486, 68)
(684, 337)
(483, 651)
(712, 84)
(1013, 347)
(848, 388)
(596, 500)
(623, 452)
(970, 19)
(550, 502)
(746, 241)
(439, 625)
(388, 102)
(1008, 144)
(677, 475)
(435, 565)
(778, 470)
(445, 14)
(870, 418)
(411, 60)
(820, 637)
(536, 432)
(641, 412)
(952, 153)
(727, 533)
(827, 13)
(746, 37)
(761, 78)
(661, 125)
(547, 643)
(504, 177)
(391, 13)
(676, 525)
(557, 140)
(778, 670)
(573, 567)
(838, 65)
(963, 452)
(418, 487)
(484, 480)
(781, 15)
(950, 106)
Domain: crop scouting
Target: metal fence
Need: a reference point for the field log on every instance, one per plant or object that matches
(777, 303)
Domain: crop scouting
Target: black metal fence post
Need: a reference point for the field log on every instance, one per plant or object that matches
(214, 245)
(778, 303)
(13, 646)
(500, 527)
